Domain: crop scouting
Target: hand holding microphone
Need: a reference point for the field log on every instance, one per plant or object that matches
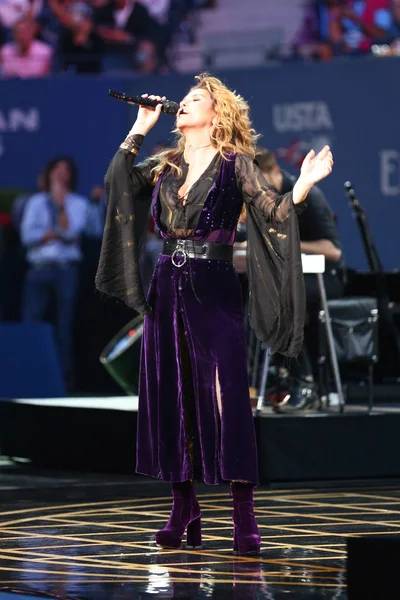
(147, 117)
(150, 108)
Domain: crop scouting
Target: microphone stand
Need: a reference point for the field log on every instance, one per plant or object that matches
(374, 264)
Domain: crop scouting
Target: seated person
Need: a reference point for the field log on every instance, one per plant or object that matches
(318, 235)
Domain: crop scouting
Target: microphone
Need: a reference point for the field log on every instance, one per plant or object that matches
(349, 189)
(354, 203)
(168, 107)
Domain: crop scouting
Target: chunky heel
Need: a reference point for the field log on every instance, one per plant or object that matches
(193, 535)
(246, 544)
(246, 535)
(166, 539)
(185, 515)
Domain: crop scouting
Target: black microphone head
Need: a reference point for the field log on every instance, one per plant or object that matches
(349, 189)
(170, 108)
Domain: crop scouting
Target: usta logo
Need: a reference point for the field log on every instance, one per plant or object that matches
(301, 116)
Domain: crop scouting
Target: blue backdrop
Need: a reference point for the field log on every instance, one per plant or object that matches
(353, 106)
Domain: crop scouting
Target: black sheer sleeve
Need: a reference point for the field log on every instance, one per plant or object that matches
(256, 192)
(128, 195)
(276, 284)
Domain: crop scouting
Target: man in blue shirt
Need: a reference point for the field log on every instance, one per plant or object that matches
(51, 229)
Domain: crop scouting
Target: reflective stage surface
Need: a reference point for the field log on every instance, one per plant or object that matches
(93, 538)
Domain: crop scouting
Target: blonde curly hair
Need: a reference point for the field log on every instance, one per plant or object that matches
(232, 132)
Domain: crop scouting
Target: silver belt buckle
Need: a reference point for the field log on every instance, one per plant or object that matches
(179, 251)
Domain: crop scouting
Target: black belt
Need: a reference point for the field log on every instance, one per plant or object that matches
(181, 250)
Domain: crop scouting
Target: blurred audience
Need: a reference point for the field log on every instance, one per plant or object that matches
(352, 27)
(94, 36)
(25, 56)
(395, 30)
(158, 9)
(12, 11)
(91, 36)
(124, 21)
(391, 47)
(81, 47)
(345, 27)
(130, 33)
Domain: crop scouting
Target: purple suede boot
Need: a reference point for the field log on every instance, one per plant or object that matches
(246, 536)
(185, 515)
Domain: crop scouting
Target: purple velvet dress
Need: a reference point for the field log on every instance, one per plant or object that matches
(194, 414)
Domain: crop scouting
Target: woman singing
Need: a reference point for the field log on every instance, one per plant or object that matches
(195, 417)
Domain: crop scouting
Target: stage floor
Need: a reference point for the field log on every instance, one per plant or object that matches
(92, 537)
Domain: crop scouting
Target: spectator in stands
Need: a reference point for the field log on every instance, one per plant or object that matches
(12, 11)
(80, 45)
(146, 57)
(124, 20)
(395, 29)
(51, 229)
(352, 27)
(308, 43)
(25, 57)
(394, 32)
(126, 25)
(170, 16)
(158, 9)
(50, 26)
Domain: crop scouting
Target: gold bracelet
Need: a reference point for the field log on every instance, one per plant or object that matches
(130, 145)
(131, 149)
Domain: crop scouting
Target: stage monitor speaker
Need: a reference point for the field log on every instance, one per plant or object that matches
(29, 363)
(372, 567)
(121, 356)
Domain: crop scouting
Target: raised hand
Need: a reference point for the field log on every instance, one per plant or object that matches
(147, 117)
(317, 167)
